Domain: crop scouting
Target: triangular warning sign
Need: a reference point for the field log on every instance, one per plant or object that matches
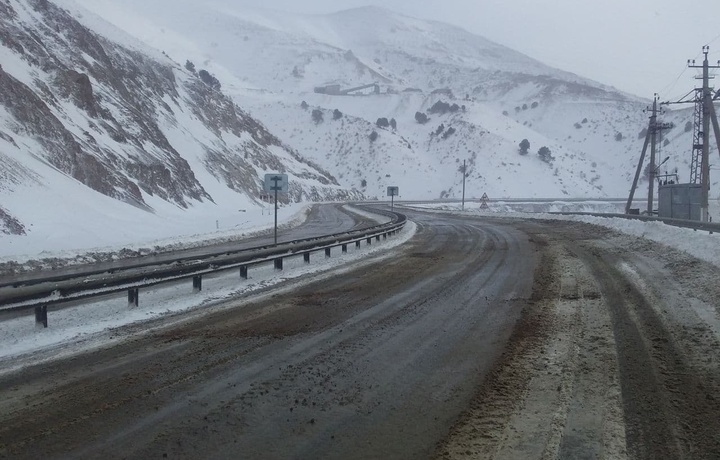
(483, 201)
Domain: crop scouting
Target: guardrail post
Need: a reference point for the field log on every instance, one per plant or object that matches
(357, 244)
(306, 257)
(279, 263)
(243, 272)
(377, 238)
(327, 252)
(369, 241)
(197, 283)
(133, 297)
(344, 248)
(385, 236)
(41, 316)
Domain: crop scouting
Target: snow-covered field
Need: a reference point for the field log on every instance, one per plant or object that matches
(145, 232)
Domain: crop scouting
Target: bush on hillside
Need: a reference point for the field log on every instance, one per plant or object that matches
(317, 116)
(524, 147)
(545, 154)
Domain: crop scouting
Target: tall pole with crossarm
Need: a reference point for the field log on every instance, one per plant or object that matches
(276, 183)
(700, 167)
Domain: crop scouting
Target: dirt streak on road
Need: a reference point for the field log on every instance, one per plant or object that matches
(482, 338)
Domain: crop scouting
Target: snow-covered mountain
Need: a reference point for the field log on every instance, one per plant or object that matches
(87, 119)
(271, 62)
(179, 107)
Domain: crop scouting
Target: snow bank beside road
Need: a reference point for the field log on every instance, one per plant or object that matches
(698, 244)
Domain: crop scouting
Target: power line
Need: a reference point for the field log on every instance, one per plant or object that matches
(685, 68)
(711, 41)
(669, 87)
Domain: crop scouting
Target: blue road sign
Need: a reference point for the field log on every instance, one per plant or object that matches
(276, 183)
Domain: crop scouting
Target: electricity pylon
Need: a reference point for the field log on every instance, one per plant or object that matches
(704, 116)
(650, 139)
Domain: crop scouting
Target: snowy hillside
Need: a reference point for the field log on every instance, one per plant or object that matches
(271, 62)
(94, 130)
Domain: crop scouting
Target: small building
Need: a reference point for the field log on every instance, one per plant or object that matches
(680, 201)
(329, 89)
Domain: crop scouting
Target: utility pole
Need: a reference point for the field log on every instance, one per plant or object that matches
(463, 196)
(653, 144)
(650, 139)
(704, 109)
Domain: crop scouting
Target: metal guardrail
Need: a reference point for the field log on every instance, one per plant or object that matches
(692, 224)
(79, 286)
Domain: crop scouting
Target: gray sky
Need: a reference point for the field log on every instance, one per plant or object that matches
(638, 46)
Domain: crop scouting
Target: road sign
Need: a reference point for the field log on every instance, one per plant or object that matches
(276, 183)
(393, 191)
(483, 201)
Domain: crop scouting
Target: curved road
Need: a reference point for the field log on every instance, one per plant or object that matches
(478, 339)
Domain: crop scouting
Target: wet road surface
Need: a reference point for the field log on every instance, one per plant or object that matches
(480, 338)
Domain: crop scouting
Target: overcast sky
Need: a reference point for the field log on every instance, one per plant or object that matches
(638, 46)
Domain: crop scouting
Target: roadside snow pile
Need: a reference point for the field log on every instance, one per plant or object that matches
(700, 244)
(703, 245)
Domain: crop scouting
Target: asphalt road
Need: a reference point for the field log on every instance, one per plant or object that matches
(477, 339)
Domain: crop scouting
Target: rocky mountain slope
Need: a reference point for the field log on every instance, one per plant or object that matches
(79, 108)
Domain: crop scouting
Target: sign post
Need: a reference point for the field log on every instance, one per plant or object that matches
(392, 192)
(275, 183)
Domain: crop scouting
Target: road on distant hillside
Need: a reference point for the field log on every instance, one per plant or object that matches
(480, 338)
